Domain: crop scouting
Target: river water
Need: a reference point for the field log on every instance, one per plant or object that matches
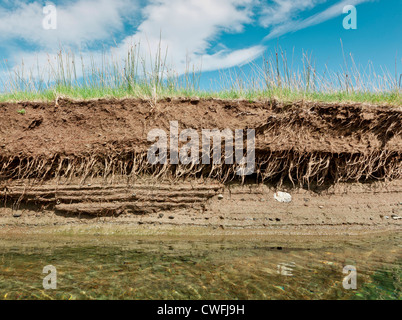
(98, 267)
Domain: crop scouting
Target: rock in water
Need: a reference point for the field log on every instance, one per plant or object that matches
(282, 196)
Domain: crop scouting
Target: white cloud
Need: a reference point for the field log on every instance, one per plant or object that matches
(281, 11)
(186, 27)
(329, 13)
(79, 23)
(222, 60)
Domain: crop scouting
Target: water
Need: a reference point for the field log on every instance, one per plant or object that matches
(215, 268)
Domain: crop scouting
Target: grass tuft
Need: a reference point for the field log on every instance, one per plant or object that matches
(135, 77)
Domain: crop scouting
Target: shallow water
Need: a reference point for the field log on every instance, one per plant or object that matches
(256, 268)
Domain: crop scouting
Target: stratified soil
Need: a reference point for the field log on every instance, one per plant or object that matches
(148, 206)
(75, 162)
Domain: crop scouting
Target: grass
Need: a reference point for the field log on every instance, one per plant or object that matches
(136, 77)
(388, 98)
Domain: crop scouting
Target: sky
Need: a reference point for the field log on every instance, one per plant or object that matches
(213, 35)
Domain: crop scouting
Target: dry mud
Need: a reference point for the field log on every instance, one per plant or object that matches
(73, 163)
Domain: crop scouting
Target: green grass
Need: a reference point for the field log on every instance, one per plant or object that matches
(134, 77)
(80, 93)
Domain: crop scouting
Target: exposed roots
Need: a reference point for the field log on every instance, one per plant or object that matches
(299, 168)
(300, 143)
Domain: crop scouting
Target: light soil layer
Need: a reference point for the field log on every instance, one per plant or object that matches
(84, 163)
(150, 208)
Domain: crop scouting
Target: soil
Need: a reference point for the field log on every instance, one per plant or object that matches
(84, 163)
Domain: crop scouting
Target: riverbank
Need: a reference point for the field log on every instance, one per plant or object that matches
(80, 166)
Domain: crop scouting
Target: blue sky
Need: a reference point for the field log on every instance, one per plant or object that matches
(219, 33)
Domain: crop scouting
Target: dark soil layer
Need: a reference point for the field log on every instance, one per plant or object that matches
(301, 142)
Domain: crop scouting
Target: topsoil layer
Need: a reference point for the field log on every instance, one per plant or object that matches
(306, 145)
(301, 141)
(100, 126)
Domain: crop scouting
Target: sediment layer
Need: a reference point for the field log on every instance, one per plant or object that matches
(160, 207)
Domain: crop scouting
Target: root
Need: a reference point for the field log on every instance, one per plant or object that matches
(298, 168)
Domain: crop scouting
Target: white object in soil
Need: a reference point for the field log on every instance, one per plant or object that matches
(282, 196)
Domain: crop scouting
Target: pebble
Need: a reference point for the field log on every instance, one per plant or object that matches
(321, 207)
(17, 214)
(160, 215)
(220, 196)
(171, 217)
(282, 197)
